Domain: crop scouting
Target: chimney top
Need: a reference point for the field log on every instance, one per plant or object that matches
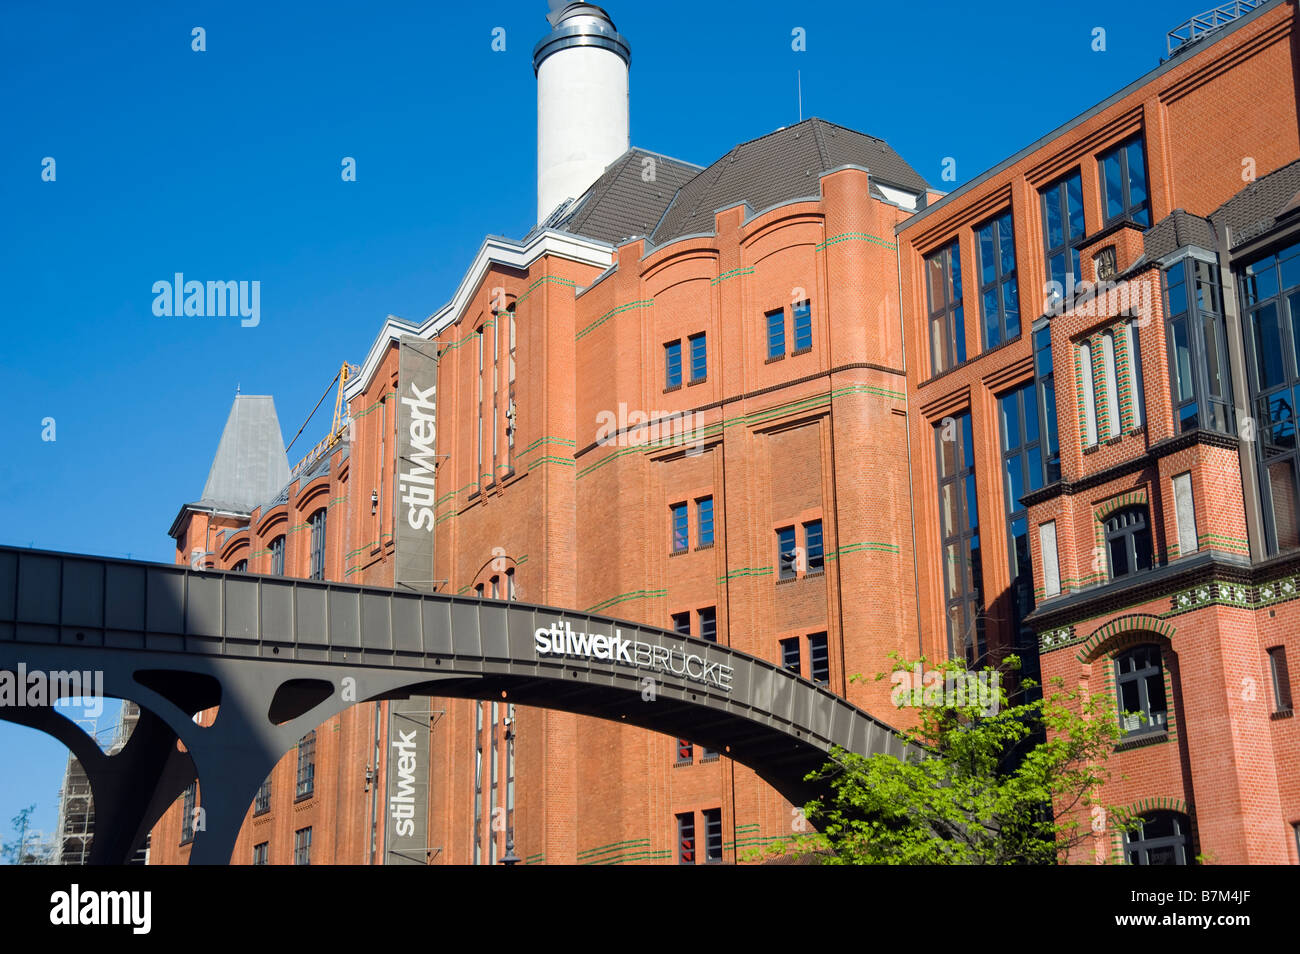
(581, 24)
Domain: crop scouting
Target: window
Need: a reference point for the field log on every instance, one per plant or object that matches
(776, 334)
(479, 796)
(999, 290)
(790, 655)
(317, 523)
(1128, 541)
(302, 846)
(511, 593)
(1022, 468)
(682, 624)
(681, 531)
(709, 624)
(307, 764)
(1089, 397)
(494, 587)
(819, 660)
(802, 326)
(1045, 379)
(478, 590)
(1110, 384)
(1140, 684)
(496, 394)
(277, 556)
(1136, 399)
(786, 553)
(704, 510)
(1124, 184)
(1062, 226)
(1185, 514)
(511, 409)
(947, 321)
(1271, 323)
(478, 434)
(1162, 839)
(685, 752)
(712, 835)
(686, 839)
(963, 577)
(262, 803)
(187, 813)
(673, 364)
(813, 551)
(240, 567)
(261, 852)
(1198, 369)
(1281, 679)
(1051, 561)
(699, 358)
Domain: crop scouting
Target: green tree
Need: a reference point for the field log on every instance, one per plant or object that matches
(979, 786)
(15, 850)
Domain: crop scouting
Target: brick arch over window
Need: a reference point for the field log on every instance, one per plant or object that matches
(1124, 632)
(1138, 496)
(1157, 803)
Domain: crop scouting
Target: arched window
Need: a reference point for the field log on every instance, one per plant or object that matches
(277, 556)
(1128, 541)
(1164, 838)
(317, 523)
(1140, 685)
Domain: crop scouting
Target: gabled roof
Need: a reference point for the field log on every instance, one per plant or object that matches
(1257, 208)
(1176, 230)
(622, 204)
(250, 466)
(777, 168)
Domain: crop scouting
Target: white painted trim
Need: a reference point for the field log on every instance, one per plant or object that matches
(493, 251)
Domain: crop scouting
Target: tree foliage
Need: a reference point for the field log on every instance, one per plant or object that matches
(979, 786)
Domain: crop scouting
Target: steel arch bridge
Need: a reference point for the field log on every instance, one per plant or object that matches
(276, 655)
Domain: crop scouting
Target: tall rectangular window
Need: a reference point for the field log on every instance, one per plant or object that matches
(1051, 560)
(511, 410)
(1110, 382)
(963, 578)
(712, 835)
(790, 655)
(317, 523)
(999, 290)
(704, 507)
(307, 764)
(1185, 514)
(1281, 679)
(1045, 380)
(302, 846)
(947, 321)
(496, 394)
(478, 434)
(478, 783)
(819, 659)
(775, 334)
(682, 624)
(813, 550)
(277, 556)
(1062, 226)
(681, 528)
(673, 364)
(187, 814)
(686, 838)
(709, 624)
(261, 853)
(262, 803)
(1022, 469)
(1198, 370)
(802, 326)
(1089, 395)
(1124, 183)
(699, 358)
(1270, 290)
(1136, 397)
(786, 554)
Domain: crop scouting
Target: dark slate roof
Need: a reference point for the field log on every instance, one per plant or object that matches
(250, 465)
(1257, 208)
(779, 167)
(621, 204)
(1177, 230)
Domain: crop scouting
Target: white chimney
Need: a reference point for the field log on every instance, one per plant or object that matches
(582, 102)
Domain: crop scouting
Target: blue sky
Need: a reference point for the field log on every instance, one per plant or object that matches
(225, 165)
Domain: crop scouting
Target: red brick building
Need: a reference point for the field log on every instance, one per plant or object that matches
(800, 403)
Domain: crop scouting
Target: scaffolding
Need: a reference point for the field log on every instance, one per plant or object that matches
(76, 824)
